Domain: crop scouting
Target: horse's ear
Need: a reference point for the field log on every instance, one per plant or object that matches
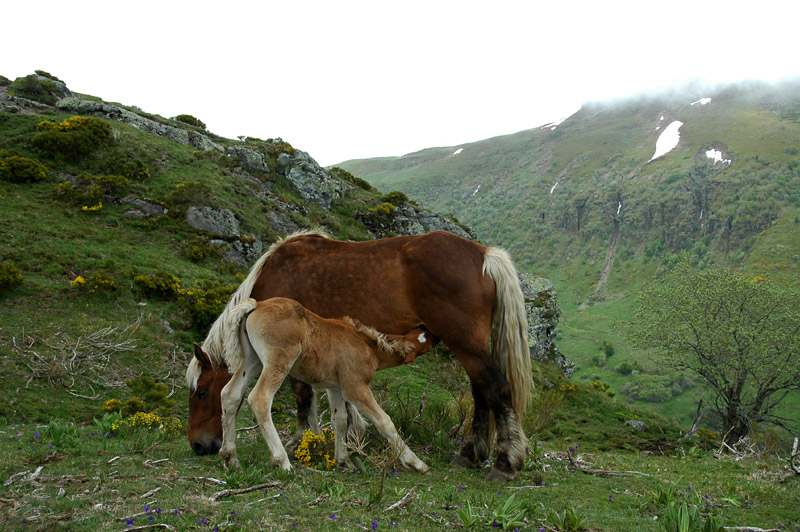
(201, 356)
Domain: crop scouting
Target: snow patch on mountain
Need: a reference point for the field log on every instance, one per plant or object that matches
(702, 101)
(716, 156)
(668, 139)
(458, 151)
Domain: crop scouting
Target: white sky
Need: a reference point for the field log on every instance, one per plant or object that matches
(353, 79)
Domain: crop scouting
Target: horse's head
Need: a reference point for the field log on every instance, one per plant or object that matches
(205, 406)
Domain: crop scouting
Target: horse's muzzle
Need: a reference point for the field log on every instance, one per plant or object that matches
(206, 448)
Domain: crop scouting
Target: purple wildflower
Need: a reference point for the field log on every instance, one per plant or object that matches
(374, 524)
(129, 522)
(333, 517)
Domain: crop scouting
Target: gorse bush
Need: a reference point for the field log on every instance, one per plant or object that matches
(18, 169)
(97, 282)
(87, 190)
(204, 302)
(188, 194)
(200, 248)
(160, 284)
(9, 275)
(73, 138)
(317, 450)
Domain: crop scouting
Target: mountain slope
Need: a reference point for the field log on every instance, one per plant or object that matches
(584, 202)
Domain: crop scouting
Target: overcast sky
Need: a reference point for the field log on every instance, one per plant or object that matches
(344, 80)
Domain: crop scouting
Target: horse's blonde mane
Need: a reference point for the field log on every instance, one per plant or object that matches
(214, 344)
(394, 347)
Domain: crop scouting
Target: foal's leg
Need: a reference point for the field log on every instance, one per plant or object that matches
(276, 367)
(362, 397)
(232, 397)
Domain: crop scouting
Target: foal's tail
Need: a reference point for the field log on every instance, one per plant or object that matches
(232, 340)
(510, 327)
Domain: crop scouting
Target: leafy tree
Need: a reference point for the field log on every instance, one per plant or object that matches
(739, 335)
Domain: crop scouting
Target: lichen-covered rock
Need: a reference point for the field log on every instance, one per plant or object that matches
(312, 181)
(411, 220)
(541, 306)
(219, 222)
(143, 209)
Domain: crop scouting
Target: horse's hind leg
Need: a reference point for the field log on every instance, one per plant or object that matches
(491, 390)
(362, 397)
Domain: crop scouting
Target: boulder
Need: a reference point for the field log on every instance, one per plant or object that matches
(218, 222)
(541, 306)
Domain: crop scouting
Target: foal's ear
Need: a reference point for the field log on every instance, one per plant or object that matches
(201, 356)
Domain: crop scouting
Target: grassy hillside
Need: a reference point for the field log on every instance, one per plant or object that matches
(99, 307)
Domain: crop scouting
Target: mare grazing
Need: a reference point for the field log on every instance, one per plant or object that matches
(280, 337)
(463, 292)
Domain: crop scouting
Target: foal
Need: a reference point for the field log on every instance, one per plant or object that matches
(280, 337)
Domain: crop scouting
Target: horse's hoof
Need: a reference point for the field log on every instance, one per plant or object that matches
(462, 462)
(496, 475)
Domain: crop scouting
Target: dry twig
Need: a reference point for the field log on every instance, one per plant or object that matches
(402, 502)
(232, 492)
(601, 472)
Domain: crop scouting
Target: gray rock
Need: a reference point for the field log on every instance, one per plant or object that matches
(638, 426)
(144, 208)
(312, 181)
(541, 306)
(219, 222)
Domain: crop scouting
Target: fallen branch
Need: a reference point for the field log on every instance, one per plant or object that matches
(698, 415)
(150, 527)
(150, 493)
(602, 472)
(318, 500)
(794, 460)
(232, 492)
(748, 529)
(402, 502)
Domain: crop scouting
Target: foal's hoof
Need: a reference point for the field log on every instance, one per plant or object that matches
(462, 462)
(496, 475)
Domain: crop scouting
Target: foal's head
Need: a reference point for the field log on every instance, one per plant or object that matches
(205, 405)
(406, 346)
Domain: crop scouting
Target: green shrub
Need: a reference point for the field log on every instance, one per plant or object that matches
(192, 121)
(33, 87)
(9, 275)
(73, 138)
(625, 368)
(153, 395)
(396, 198)
(87, 190)
(135, 169)
(608, 349)
(18, 169)
(199, 248)
(189, 193)
(343, 175)
(160, 284)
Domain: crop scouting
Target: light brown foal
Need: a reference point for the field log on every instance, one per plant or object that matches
(280, 337)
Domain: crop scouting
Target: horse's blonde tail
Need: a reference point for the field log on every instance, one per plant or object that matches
(232, 345)
(510, 328)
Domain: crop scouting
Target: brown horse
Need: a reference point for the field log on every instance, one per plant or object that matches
(280, 337)
(461, 291)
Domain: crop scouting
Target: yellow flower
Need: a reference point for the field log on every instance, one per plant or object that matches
(79, 281)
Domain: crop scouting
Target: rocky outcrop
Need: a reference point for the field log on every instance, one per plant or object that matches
(142, 209)
(311, 180)
(387, 220)
(218, 222)
(541, 305)
(77, 105)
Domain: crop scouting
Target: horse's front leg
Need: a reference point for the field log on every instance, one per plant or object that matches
(307, 417)
(232, 396)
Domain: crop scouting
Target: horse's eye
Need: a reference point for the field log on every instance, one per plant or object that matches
(202, 394)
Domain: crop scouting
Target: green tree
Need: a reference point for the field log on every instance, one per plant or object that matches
(738, 335)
